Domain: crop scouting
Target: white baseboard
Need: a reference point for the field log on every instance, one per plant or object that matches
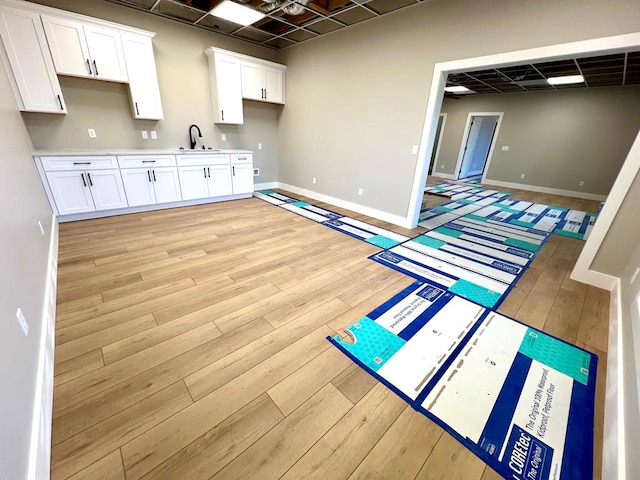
(370, 212)
(591, 277)
(536, 188)
(265, 186)
(448, 176)
(40, 448)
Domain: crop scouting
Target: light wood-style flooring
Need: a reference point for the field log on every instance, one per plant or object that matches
(190, 344)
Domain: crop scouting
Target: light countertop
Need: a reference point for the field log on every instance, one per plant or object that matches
(170, 151)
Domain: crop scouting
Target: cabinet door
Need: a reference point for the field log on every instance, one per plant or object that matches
(273, 85)
(139, 186)
(252, 81)
(143, 78)
(32, 72)
(193, 182)
(242, 177)
(228, 90)
(68, 46)
(107, 189)
(71, 192)
(166, 184)
(105, 49)
(220, 180)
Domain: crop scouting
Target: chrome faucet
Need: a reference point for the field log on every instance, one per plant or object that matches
(192, 138)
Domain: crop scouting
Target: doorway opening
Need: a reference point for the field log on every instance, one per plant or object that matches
(478, 142)
(442, 119)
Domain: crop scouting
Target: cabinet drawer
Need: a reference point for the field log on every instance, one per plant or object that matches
(138, 161)
(238, 158)
(202, 160)
(94, 162)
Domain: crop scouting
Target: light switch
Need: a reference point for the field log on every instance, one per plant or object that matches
(505, 148)
(224, 137)
(144, 134)
(414, 150)
(154, 135)
(92, 132)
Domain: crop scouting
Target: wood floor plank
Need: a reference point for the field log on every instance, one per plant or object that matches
(402, 450)
(124, 330)
(594, 324)
(158, 444)
(449, 460)
(354, 383)
(77, 366)
(216, 374)
(98, 288)
(92, 410)
(275, 452)
(85, 386)
(302, 384)
(211, 452)
(108, 467)
(356, 433)
(82, 450)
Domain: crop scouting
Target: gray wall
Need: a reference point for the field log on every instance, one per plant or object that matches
(23, 267)
(184, 88)
(555, 138)
(356, 99)
(622, 238)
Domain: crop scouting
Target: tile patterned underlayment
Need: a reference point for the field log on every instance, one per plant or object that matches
(477, 260)
(372, 234)
(469, 202)
(519, 399)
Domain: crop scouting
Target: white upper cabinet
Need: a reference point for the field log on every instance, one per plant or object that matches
(234, 76)
(31, 70)
(143, 78)
(263, 83)
(85, 50)
(226, 87)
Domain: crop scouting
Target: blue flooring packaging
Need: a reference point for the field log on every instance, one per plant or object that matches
(521, 400)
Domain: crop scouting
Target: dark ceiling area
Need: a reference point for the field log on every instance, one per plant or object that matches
(603, 71)
(287, 22)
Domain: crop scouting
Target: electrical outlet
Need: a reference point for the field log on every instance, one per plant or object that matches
(224, 137)
(144, 134)
(256, 172)
(441, 166)
(581, 184)
(154, 135)
(414, 150)
(41, 227)
(522, 176)
(259, 146)
(314, 180)
(505, 148)
(22, 321)
(92, 132)
(360, 191)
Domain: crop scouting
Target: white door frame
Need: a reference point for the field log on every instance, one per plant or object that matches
(465, 137)
(437, 155)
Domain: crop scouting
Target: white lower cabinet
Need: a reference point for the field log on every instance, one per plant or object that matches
(242, 178)
(205, 181)
(80, 191)
(148, 186)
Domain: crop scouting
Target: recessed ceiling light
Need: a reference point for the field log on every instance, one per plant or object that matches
(565, 80)
(236, 13)
(458, 89)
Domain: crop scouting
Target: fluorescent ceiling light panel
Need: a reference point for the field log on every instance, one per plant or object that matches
(458, 89)
(565, 80)
(236, 13)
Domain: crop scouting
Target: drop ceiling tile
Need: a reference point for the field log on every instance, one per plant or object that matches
(385, 6)
(354, 15)
(323, 26)
(253, 34)
(300, 35)
(279, 43)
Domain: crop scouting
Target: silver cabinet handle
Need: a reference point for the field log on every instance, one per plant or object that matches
(90, 181)
(95, 68)
(89, 67)
(242, 158)
(84, 182)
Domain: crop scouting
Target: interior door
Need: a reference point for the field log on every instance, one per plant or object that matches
(483, 145)
(470, 147)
